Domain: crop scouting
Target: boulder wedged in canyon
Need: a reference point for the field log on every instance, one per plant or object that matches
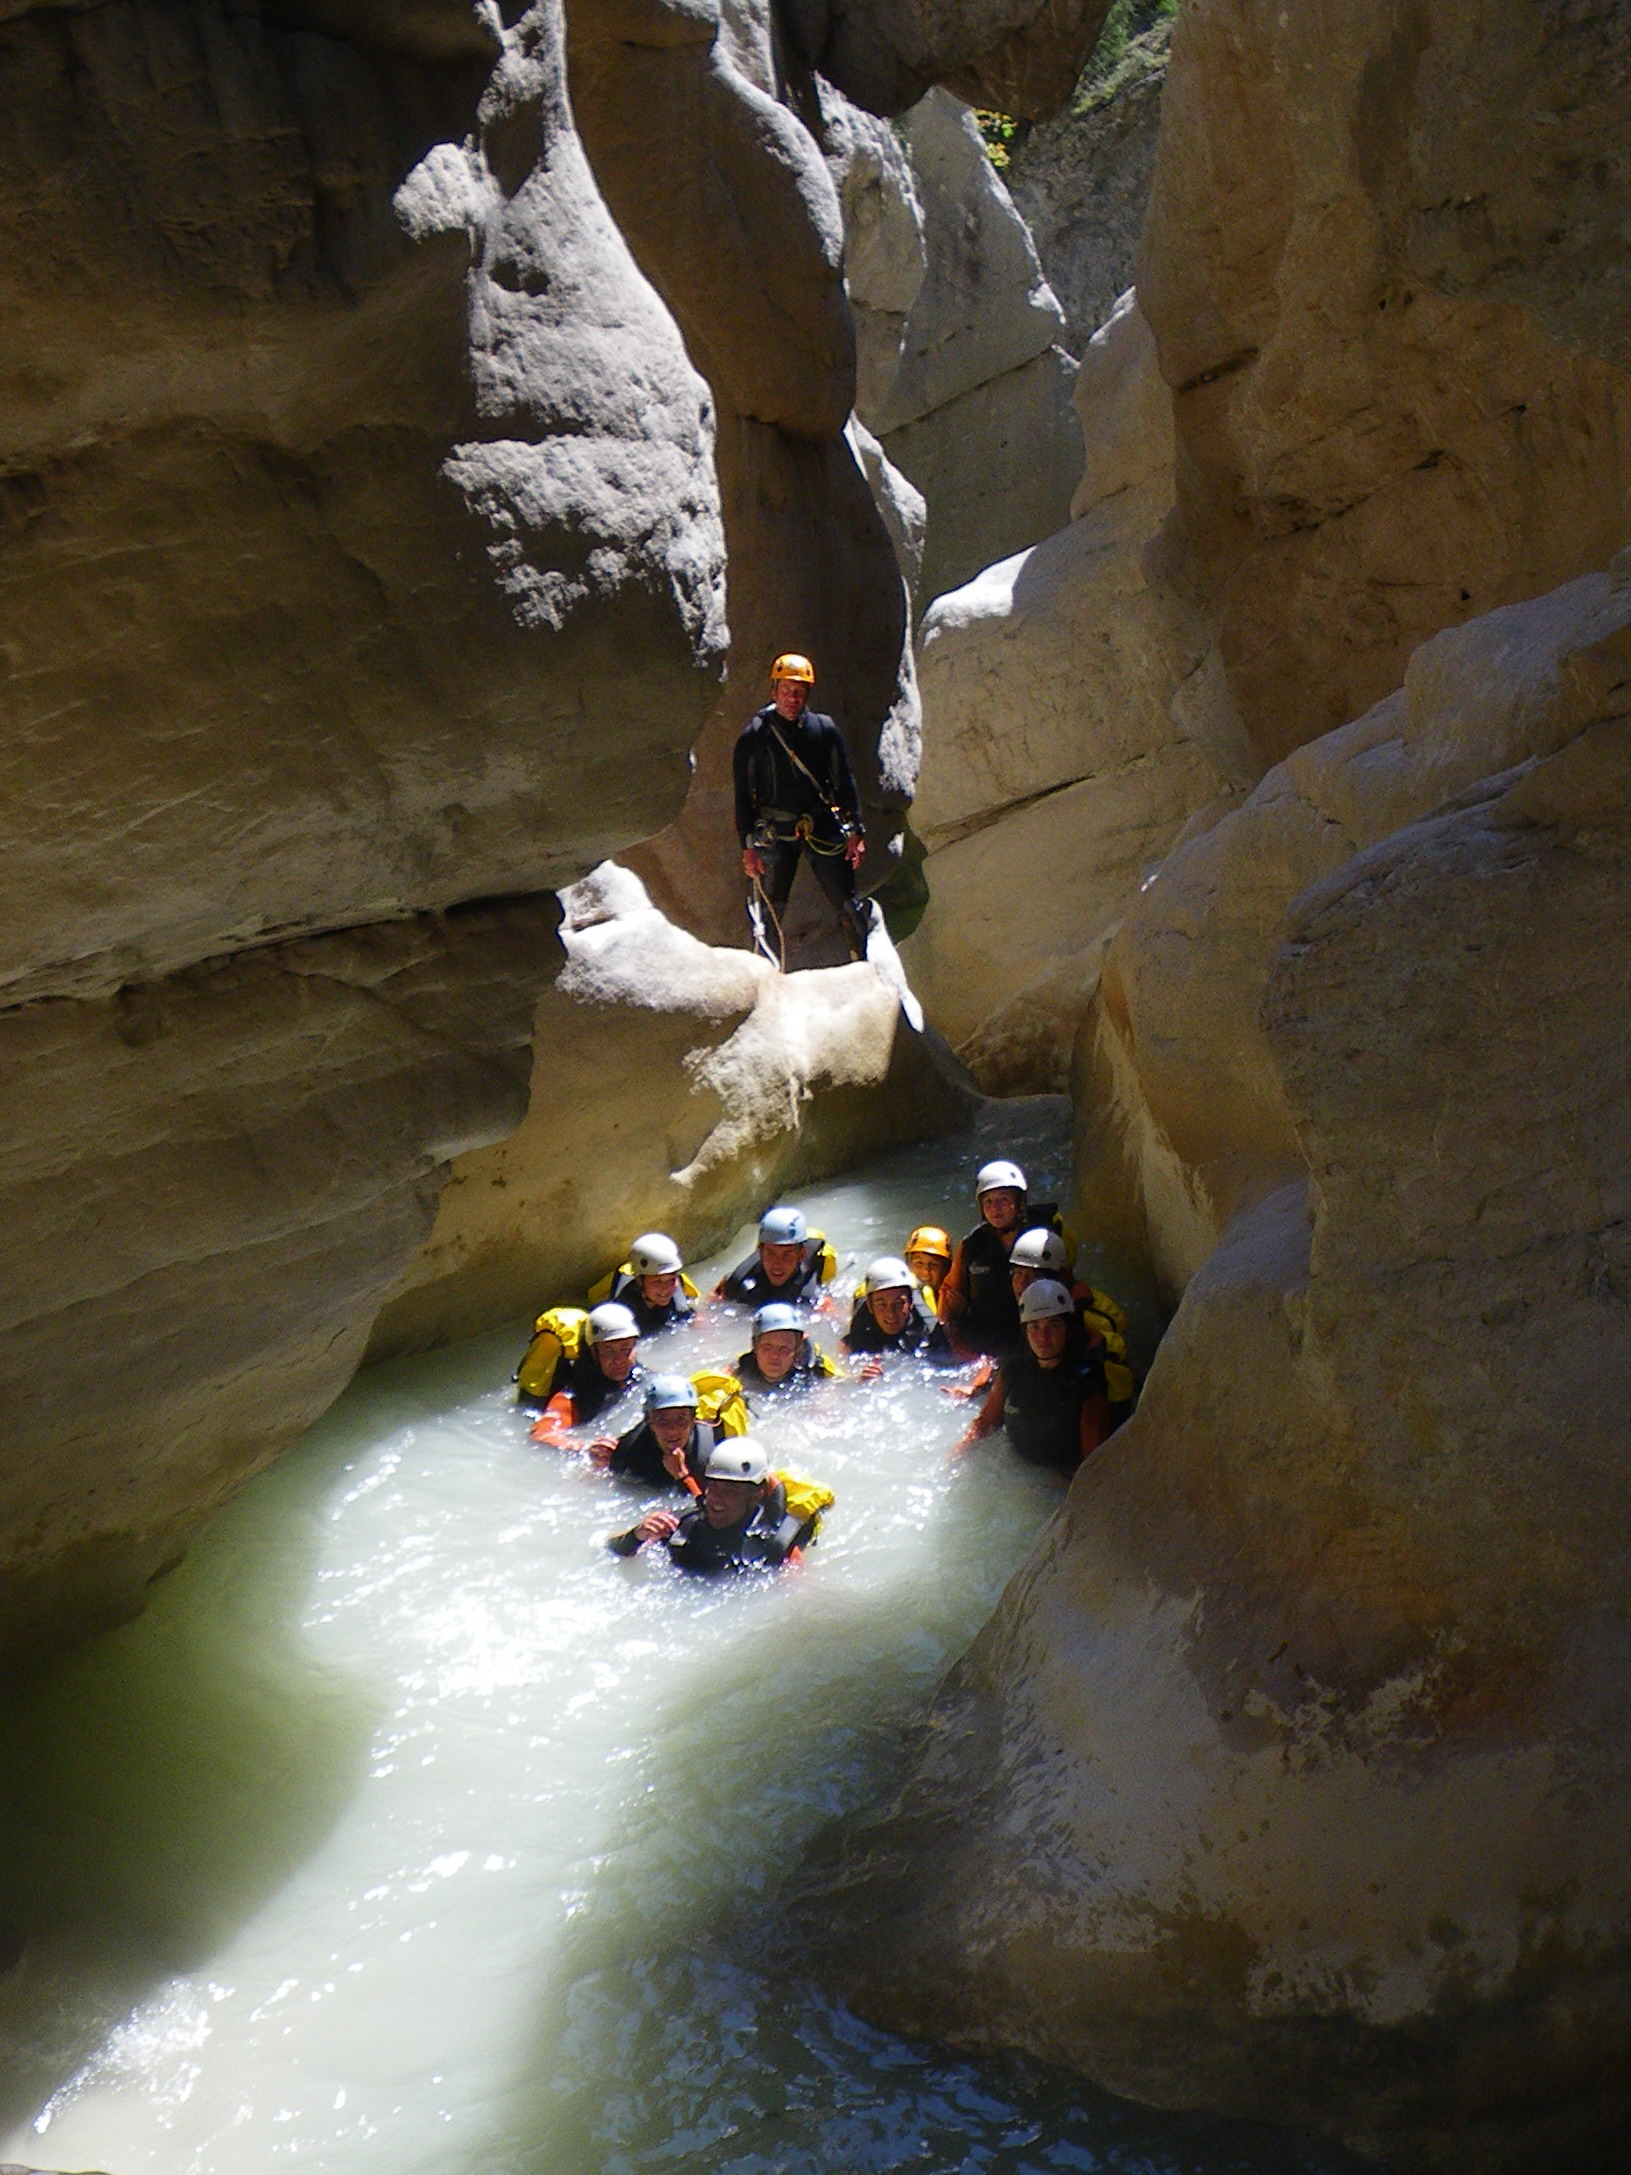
(677, 1087)
(1017, 56)
(1069, 735)
(1289, 1778)
(1392, 315)
(363, 563)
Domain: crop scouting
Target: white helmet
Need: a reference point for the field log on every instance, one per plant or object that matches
(670, 1393)
(655, 1254)
(777, 1315)
(888, 1273)
(738, 1457)
(993, 1175)
(1044, 1298)
(1040, 1249)
(608, 1323)
(783, 1227)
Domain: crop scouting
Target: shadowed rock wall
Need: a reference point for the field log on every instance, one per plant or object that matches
(363, 562)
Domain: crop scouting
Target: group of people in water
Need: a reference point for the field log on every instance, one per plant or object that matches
(1043, 1353)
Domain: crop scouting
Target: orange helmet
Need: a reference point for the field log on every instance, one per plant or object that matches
(929, 1239)
(791, 666)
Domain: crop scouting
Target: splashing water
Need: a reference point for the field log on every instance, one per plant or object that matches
(410, 1833)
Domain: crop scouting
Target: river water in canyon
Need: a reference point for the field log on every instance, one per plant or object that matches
(411, 1833)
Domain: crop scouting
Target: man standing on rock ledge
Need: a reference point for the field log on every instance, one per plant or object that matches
(795, 792)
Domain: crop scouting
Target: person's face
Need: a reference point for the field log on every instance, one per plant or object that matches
(780, 1262)
(729, 1502)
(890, 1309)
(615, 1357)
(1000, 1207)
(791, 696)
(776, 1351)
(671, 1424)
(1022, 1279)
(1046, 1338)
(928, 1269)
(659, 1290)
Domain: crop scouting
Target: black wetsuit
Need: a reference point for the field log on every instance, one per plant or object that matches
(767, 1539)
(808, 1369)
(626, 1291)
(1042, 1406)
(590, 1389)
(989, 1319)
(773, 797)
(921, 1333)
(749, 1286)
(639, 1455)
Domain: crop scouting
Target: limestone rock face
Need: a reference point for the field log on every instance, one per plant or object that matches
(744, 242)
(960, 374)
(210, 1182)
(1385, 268)
(1081, 182)
(1016, 56)
(1290, 1777)
(676, 1087)
(1067, 740)
(363, 563)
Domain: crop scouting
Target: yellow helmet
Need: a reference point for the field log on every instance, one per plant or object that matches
(791, 666)
(929, 1239)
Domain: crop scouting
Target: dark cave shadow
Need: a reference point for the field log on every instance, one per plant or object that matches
(163, 1781)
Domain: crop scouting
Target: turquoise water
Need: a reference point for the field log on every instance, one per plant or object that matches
(412, 1834)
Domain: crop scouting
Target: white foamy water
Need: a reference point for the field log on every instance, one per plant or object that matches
(411, 1833)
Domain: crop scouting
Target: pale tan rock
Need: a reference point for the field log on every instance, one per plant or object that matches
(1058, 763)
(1359, 275)
(1184, 1119)
(1290, 1778)
(363, 558)
(677, 1087)
(210, 1183)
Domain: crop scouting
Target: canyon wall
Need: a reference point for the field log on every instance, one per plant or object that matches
(366, 513)
(1289, 1778)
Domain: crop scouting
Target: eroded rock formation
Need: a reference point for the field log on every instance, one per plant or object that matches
(1289, 1779)
(1070, 732)
(676, 1086)
(363, 563)
(1081, 182)
(960, 372)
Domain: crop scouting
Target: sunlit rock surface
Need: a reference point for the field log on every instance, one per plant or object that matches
(960, 373)
(742, 235)
(1290, 1777)
(363, 558)
(1081, 182)
(1070, 731)
(676, 1086)
(1386, 269)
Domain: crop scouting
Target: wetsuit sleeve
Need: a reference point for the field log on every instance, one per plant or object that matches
(625, 1544)
(1095, 1421)
(622, 1460)
(989, 1417)
(954, 1300)
(742, 774)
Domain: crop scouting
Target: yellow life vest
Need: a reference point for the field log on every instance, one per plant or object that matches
(720, 1402)
(1119, 1382)
(557, 1334)
(806, 1499)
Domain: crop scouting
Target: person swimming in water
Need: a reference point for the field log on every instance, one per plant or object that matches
(741, 1523)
